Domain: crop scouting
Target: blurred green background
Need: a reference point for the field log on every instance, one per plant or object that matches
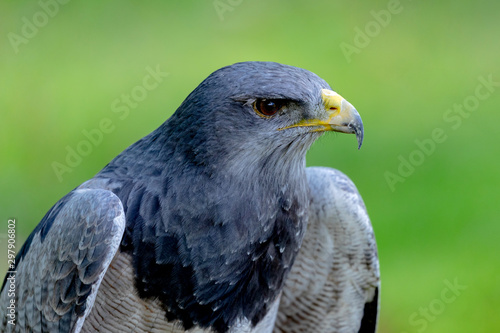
(404, 65)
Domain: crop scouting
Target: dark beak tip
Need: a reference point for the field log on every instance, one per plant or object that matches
(360, 140)
(359, 132)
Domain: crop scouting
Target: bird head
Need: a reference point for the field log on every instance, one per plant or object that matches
(253, 109)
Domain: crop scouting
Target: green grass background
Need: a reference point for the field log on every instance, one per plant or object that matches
(440, 224)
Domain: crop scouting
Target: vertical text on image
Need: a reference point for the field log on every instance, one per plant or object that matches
(10, 283)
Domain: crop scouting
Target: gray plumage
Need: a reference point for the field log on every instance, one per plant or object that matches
(336, 272)
(58, 279)
(196, 227)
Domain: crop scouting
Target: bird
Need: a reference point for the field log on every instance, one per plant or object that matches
(210, 223)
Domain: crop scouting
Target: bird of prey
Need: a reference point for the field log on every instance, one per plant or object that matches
(211, 223)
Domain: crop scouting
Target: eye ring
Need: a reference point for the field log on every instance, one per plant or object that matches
(268, 107)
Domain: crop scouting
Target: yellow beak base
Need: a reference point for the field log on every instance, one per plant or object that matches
(340, 116)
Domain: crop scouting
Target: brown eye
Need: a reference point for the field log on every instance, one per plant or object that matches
(268, 107)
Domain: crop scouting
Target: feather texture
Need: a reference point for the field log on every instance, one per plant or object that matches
(336, 273)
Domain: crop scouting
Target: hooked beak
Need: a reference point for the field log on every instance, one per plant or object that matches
(339, 116)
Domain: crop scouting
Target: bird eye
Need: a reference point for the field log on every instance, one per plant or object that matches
(268, 107)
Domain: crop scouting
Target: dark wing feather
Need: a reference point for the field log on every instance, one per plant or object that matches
(61, 265)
